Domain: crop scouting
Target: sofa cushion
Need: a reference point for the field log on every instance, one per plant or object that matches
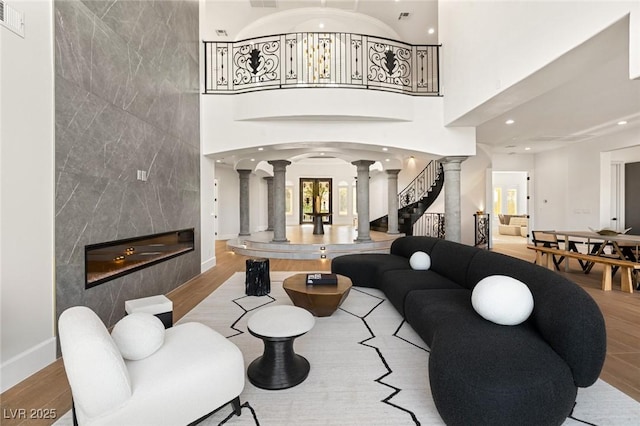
(426, 310)
(420, 261)
(94, 366)
(406, 246)
(502, 300)
(138, 335)
(398, 283)
(564, 314)
(365, 270)
(451, 260)
(500, 373)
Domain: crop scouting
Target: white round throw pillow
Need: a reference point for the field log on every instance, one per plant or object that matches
(502, 300)
(420, 261)
(138, 335)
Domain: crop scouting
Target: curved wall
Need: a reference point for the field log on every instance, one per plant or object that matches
(330, 115)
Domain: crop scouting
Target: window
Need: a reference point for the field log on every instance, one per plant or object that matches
(288, 197)
(355, 198)
(343, 199)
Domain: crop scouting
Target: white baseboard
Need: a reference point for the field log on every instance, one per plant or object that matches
(27, 363)
(207, 264)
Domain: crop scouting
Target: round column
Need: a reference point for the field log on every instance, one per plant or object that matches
(452, 223)
(269, 203)
(392, 201)
(362, 199)
(245, 228)
(279, 200)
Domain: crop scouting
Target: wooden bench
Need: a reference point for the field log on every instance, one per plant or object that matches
(608, 263)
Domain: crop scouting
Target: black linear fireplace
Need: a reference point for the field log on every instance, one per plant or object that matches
(113, 259)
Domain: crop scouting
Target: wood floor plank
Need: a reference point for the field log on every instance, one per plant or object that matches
(49, 389)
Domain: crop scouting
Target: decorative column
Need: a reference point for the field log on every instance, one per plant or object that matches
(279, 200)
(452, 224)
(392, 201)
(362, 199)
(244, 202)
(269, 180)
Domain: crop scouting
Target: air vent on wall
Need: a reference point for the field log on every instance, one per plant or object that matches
(11, 18)
(403, 15)
(221, 33)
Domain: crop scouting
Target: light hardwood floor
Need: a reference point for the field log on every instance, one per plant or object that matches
(49, 389)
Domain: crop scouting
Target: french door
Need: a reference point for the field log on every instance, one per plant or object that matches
(315, 197)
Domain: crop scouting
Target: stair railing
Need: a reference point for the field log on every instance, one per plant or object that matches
(419, 186)
(430, 225)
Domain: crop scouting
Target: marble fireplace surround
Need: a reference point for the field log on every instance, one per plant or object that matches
(126, 100)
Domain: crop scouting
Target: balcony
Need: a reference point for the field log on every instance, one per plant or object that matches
(321, 60)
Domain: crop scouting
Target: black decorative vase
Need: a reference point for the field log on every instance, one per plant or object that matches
(257, 281)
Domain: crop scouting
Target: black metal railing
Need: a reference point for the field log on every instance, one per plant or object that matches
(482, 230)
(321, 60)
(419, 186)
(430, 225)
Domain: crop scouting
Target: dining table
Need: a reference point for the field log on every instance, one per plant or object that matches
(623, 246)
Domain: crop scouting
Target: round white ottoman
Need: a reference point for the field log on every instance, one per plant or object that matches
(279, 367)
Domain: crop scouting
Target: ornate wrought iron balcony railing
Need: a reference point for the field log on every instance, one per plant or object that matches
(321, 60)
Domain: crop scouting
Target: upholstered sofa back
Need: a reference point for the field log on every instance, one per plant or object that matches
(93, 363)
(564, 314)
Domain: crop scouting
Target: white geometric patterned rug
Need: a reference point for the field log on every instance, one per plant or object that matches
(368, 367)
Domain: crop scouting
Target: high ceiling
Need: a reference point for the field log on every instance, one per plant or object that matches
(582, 95)
(234, 15)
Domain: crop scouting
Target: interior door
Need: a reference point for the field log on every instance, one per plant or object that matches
(615, 221)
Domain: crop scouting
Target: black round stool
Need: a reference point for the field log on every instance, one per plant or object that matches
(279, 367)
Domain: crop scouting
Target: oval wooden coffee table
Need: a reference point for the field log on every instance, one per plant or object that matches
(321, 300)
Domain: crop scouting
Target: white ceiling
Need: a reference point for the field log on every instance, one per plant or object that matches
(579, 96)
(234, 15)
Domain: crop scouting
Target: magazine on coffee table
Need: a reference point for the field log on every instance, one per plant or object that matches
(322, 279)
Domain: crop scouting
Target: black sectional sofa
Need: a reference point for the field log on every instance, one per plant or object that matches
(482, 373)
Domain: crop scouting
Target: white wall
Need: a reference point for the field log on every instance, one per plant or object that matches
(572, 184)
(207, 214)
(368, 117)
(473, 34)
(228, 202)
(27, 195)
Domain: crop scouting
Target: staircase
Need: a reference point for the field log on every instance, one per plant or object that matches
(415, 199)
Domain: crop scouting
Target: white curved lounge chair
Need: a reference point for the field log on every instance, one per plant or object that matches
(195, 372)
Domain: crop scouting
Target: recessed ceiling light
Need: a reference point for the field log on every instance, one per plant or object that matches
(385, 149)
(261, 149)
(253, 159)
(509, 121)
(321, 25)
(431, 31)
(527, 148)
(386, 159)
(218, 161)
(622, 123)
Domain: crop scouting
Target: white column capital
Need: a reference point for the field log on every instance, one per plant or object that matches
(452, 163)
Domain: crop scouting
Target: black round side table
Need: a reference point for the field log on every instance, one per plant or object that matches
(279, 367)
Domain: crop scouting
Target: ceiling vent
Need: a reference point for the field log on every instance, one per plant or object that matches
(403, 15)
(221, 33)
(11, 19)
(264, 3)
